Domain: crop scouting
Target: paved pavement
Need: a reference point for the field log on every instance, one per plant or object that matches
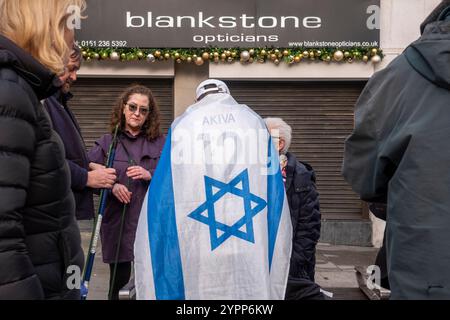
(335, 268)
(98, 286)
(335, 265)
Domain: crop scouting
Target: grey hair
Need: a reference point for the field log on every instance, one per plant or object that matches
(284, 131)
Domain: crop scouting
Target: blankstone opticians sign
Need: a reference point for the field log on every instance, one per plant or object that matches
(232, 23)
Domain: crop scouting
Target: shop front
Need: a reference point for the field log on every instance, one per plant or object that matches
(314, 89)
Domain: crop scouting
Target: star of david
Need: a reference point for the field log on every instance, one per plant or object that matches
(252, 206)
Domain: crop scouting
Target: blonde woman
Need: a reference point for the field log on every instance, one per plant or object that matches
(39, 237)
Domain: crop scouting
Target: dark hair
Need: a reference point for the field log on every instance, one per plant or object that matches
(434, 15)
(151, 127)
(75, 54)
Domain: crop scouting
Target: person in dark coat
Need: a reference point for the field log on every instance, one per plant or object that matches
(398, 154)
(39, 236)
(66, 125)
(140, 143)
(303, 199)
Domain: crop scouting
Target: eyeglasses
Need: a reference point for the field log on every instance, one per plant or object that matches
(142, 110)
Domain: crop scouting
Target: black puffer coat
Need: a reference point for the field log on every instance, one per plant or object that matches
(303, 200)
(39, 236)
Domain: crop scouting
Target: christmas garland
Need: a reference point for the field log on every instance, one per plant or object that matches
(244, 55)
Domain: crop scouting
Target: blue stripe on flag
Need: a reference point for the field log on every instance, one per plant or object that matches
(162, 230)
(275, 197)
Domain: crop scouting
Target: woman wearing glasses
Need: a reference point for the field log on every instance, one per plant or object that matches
(139, 146)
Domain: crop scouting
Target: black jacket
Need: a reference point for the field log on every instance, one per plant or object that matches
(66, 125)
(303, 200)
(399, 152)
(39, 237)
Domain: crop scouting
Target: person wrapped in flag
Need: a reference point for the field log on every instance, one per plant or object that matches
(215, 222)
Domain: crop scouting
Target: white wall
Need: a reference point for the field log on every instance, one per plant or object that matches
(128, 69)
(400, 24)
(188, 77)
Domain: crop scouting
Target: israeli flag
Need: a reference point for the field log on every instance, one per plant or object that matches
(215, 223)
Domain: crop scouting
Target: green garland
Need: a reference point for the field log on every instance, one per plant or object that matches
(244, 55)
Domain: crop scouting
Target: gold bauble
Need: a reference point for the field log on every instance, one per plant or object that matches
(178, 61)
(346, 54)
(199, 61)
(273, 57)
(157, 53)
(223, 56)
(104, 56)
(305, 54)
(233, 54)
(216, 54)
(338, 55)
(123, 56)
(230, 59)
(297, 59)
(84, 54)
(263, 52)
(277, 51)
(166, 55)
(176, 55)
(374, 51)
(365, 58)
(227, 53)
(205, 56)
(250, 60)
(140, 54)
(285, 53)
(114, 56)
(376, 59)
(261, 60)
(318, 53)
(276, 61)
(245, 55)
(251, 51)
(327, 59)
(189, 59)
